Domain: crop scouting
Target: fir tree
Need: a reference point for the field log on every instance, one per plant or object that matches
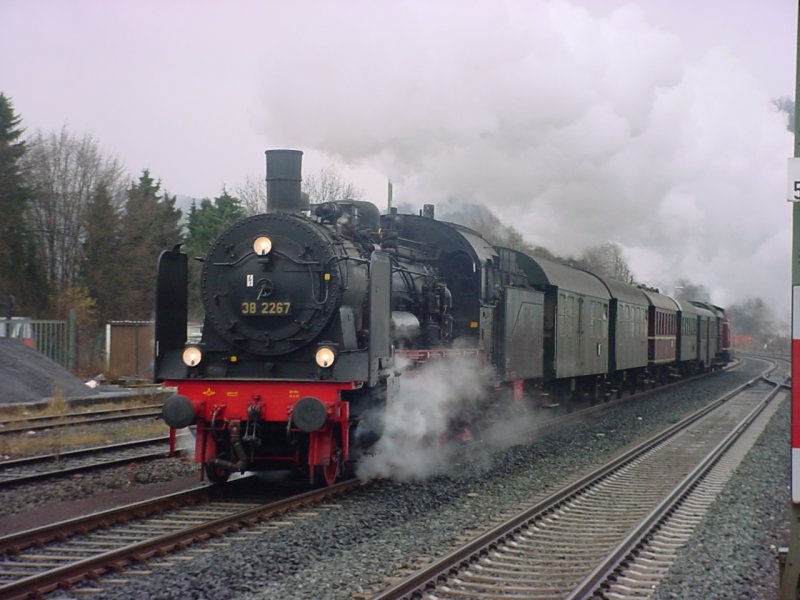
(20, 272)
(103, 267)
(204, 225)
(150, 224)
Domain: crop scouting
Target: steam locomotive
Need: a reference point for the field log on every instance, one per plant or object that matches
(309, 311)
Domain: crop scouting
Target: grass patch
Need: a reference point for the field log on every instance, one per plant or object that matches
(58, 406)
(63, 439)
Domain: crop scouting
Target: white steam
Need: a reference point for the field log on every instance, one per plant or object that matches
(576, 121)
(186, 439)
(576, 128)
(432, 413)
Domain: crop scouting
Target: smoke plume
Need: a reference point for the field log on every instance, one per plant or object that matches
(433, 414)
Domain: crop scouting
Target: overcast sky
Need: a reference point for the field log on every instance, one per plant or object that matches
(645, 122)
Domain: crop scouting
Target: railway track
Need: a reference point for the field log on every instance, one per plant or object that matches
(49, 466)
(643, 558)
(584, 540)
(48, 568)
(40, 423)
(61, 555)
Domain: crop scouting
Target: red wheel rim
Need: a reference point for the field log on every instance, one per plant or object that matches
(331, 471)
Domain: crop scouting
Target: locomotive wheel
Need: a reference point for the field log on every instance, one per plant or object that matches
(327, 474)
(216, 474)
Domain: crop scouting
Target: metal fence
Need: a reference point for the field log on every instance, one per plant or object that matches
(57, 340)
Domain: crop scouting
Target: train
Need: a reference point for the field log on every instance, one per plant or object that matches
(312, 312)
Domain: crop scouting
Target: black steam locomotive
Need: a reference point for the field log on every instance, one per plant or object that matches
(308, 310)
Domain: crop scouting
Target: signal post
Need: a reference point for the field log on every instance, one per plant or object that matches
(790, 573)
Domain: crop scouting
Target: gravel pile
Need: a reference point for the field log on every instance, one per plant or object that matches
(28, 376)
(349, 550)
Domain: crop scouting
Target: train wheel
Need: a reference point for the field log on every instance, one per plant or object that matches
(327, 474)
(216, 474)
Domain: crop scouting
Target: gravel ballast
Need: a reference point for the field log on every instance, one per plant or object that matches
(733, 553)
(348, 550)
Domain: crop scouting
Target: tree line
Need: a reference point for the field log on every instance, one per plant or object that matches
(76, 232)
(79, 233)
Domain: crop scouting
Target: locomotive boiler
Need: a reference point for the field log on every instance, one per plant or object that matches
(302, 312)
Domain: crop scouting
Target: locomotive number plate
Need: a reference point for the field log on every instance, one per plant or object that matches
(262, 308)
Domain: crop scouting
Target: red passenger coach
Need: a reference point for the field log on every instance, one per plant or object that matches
(662, 331)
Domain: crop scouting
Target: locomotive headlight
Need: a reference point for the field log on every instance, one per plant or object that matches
(262, 245)
(325, 356)
(192, 356)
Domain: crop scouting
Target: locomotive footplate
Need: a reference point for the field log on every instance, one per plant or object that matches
(243, 425)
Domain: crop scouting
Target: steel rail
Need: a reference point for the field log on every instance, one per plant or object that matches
(427, 577)
(105, 411)
(40, 458)
(83, 421)
(592, 583)
(71, 574)
(60, 470)
(15, 543)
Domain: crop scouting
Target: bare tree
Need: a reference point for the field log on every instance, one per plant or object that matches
(252, 196)
(607, 260)
(786, 105)
(325, 186)
(64, 172)
(328, 186)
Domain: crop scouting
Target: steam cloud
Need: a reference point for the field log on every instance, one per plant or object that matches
(424, 423)
(577, 122)
(576, 128)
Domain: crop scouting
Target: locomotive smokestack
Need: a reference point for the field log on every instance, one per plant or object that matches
(284, 169)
